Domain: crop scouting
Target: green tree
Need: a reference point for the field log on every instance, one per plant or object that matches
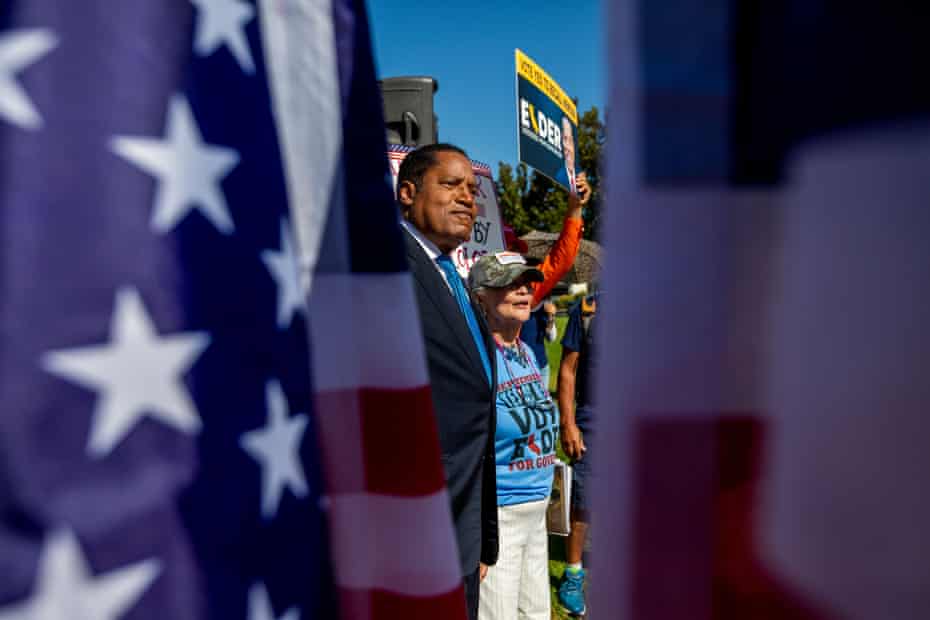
(531, 201)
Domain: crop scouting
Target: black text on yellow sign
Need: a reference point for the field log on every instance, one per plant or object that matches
(536, 76)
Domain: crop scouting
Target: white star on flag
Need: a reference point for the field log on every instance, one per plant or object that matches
(285, 270)
(260, 606)
(188, 170)
(222, 22)
(137, 373)
(18, 50)
(65, 588)
(276, 447)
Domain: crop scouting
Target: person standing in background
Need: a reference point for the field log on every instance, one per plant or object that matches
(576, 428)
(536, 332)
(558, 261)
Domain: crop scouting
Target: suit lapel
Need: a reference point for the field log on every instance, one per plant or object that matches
(436, 289)
(488, 344)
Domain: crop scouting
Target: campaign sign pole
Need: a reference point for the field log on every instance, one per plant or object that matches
(547, 123)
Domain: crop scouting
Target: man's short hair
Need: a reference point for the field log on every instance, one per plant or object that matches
(417, 162)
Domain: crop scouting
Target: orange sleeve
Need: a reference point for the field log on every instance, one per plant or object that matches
(560, 258)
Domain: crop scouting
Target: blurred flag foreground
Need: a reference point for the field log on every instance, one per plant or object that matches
(171, 176)
(762, 448)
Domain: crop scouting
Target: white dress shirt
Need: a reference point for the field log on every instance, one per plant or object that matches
(428, 246)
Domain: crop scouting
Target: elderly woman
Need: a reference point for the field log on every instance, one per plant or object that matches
(527, 432)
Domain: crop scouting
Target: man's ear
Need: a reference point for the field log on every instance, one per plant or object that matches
(406, 192)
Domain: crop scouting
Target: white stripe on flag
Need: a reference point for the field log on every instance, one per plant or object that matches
(300, 52)
(365, 332)
(403, 545)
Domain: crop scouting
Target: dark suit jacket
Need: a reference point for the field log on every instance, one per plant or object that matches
(465, 411)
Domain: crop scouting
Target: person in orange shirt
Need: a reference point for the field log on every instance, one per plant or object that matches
(556, 264)
(562, 254)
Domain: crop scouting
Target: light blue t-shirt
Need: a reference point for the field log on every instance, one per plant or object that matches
(527, 429)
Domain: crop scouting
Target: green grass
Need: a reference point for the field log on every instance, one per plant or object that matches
(554, 352)
(556, 568)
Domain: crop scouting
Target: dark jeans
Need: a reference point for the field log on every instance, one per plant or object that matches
(581, 470)
(471, 594)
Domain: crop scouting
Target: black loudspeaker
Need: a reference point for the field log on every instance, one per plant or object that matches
(408, 110)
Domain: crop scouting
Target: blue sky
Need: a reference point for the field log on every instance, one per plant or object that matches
(468, 47)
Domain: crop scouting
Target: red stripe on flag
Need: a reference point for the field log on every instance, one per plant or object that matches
(673, 519)
(401, 442)
(379, 440)
(380, 605)
(695, 540)
(339, 426)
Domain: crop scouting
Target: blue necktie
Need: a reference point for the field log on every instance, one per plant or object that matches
(458, 290)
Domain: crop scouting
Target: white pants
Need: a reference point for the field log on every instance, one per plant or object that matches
(517, 587)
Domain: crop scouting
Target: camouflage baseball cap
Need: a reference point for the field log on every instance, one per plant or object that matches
(501, 269)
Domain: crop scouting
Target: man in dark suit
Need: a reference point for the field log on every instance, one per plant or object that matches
(436, 190)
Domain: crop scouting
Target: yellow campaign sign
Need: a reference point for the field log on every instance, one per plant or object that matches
(535, 74)
(547, 123)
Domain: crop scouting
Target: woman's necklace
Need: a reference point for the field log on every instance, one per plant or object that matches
(525, 360)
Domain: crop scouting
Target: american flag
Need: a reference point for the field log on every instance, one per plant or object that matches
(160, 444)
(763, 407)
(393, 545)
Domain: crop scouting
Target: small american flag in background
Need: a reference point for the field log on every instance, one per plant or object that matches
(159, 452)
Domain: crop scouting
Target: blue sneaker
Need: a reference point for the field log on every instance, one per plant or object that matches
(571, 591)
